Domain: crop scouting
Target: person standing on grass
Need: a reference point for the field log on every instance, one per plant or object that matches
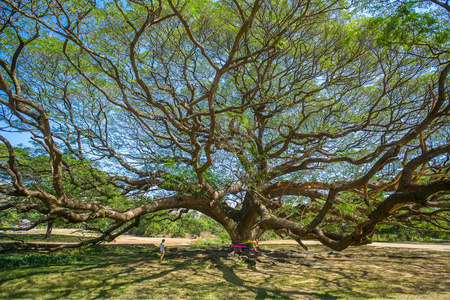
(161, 250)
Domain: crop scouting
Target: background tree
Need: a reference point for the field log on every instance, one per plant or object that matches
(308, 118)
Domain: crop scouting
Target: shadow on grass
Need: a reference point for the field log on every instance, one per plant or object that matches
(109, 286)
(200, 273)
(260, 292)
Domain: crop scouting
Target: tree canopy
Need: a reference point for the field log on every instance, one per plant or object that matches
(314, 119)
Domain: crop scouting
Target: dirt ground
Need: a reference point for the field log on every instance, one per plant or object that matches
(138, 240)
(416, 245)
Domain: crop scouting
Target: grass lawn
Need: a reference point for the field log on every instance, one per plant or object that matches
(133, 272)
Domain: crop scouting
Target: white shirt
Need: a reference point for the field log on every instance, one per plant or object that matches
(161, 247)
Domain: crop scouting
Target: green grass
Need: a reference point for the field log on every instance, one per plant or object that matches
(37, 237)
(133, 272)
(35, 259)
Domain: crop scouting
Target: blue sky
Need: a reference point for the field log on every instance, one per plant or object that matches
(16, 138)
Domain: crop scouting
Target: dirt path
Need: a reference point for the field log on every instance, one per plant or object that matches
(121, 240)
(138, 240)
(416, 246)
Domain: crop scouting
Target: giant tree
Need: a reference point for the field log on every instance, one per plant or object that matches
(314, 119)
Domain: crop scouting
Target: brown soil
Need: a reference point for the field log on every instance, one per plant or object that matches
(121, 240)
(407, 245)
(138, 240)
